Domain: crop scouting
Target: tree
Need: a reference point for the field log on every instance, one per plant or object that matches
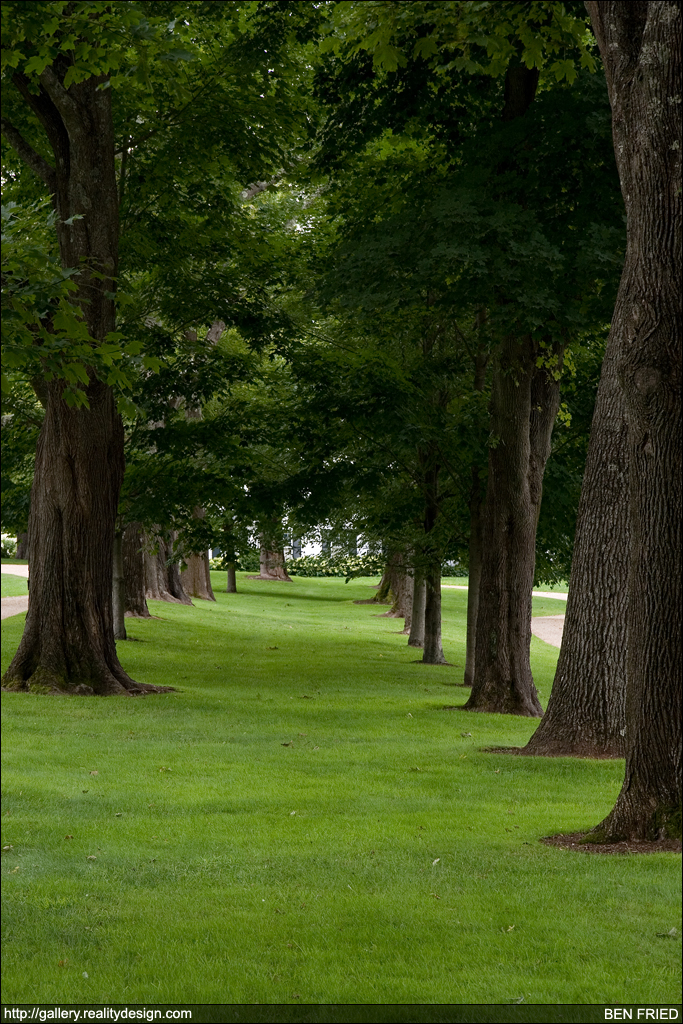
(585, 716)
(102, 101)
(79, 460)
(640, 45)
(499, 158)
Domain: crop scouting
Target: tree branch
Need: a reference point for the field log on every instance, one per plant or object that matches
(34, 160)
(65, 104)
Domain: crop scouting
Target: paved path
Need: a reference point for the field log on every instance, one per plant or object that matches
(536, 593)
(14, 605)
(545, 627)
(548, 628)
(16, 570)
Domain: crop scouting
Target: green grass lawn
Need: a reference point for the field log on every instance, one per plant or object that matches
(304, 822)
(13, 586)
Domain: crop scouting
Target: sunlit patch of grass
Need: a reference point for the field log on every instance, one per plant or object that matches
(302, 818)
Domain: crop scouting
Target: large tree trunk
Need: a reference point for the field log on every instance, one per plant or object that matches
(585, 716)
(196, 578)
(22, 546)
(640, 44)
(68, 642)
(134, 571)
(232, 579)
(524, 405)
(417, 624)
(118, 595)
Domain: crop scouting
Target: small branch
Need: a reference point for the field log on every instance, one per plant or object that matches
(35, 161)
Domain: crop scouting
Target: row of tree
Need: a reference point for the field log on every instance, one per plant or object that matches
(348, 262)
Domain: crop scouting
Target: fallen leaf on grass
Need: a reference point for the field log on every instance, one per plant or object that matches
(435, 896)
(118, 814)
(415, 769)
(465, 733)
(91, 856)
(86, 790)
(9, 847)
(68, 837)
(272, 648)
(511, 927)
(14, 870)
(94, 773)
(409, 715)
(436, 861)
(290, 744)
(671, 934)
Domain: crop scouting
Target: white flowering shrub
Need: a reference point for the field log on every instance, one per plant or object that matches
(347, 566)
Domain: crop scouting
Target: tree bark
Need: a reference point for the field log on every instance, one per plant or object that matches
(585, 716)
(134, 571)
(432, 652)
(22, 546)
(272, 565)
(524, 405)
(417, 625)
(232, 579)
(475, 542)
(474, 578)
(196, 578)
(118, 598)
(162, 576)
(408, 603)
(68, 641)
(640, 44)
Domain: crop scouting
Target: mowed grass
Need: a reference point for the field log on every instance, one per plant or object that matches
(13, 586)
(302, 821)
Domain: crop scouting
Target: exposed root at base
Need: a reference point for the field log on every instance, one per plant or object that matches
(580, 843)
(523, 752)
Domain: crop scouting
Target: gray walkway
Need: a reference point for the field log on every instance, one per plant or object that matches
(14, 605)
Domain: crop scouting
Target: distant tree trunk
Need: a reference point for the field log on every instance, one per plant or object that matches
(230, 558)
(585, 716)
(397, 580)
(640, 44)
(524, 405)
(162, 576)
(134, 571)
(475, 543)
(432, 653)
(196, 578)
(118, 599)
(432, 649)
(22, 546)
(417, 624)
(408, 603)
(475, 556)
(272, 564)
